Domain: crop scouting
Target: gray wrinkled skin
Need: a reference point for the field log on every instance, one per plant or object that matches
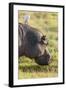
(32, 44)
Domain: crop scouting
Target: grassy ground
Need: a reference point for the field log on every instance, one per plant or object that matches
(47, 23)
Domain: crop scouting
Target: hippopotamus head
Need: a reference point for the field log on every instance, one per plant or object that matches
(33, 44)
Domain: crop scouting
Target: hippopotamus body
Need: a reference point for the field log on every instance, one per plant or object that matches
(33, 44)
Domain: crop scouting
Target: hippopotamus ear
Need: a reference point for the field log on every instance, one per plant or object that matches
(44, 40)
(43, 37)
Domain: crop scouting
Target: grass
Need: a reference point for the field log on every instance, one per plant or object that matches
(46, 22)
(29, 69)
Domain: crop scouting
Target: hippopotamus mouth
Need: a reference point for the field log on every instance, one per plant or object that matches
(44, 59)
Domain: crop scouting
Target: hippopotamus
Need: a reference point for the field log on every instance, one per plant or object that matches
(33, 44)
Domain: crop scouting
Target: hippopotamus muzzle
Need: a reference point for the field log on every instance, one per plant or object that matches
(44, 59)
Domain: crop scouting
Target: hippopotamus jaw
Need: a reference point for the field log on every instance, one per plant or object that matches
(44, 59)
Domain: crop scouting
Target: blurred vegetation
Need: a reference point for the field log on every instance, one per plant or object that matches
(47, 23)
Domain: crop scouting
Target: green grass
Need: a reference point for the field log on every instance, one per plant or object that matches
(47, 23)
(29, 69)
